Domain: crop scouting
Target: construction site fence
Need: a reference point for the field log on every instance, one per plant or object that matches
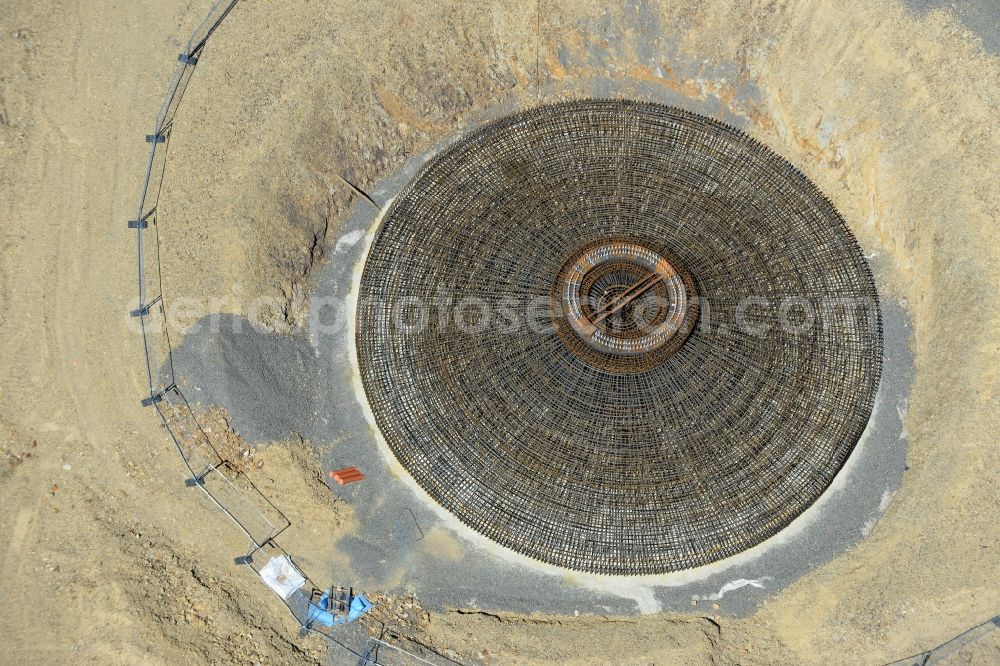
(222, 481)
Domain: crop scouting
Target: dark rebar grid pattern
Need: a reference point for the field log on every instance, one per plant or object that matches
(583, 462)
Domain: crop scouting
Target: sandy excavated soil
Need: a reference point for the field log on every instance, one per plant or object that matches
(106, 556)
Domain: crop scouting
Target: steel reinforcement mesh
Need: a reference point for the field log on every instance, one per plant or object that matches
(576, 457)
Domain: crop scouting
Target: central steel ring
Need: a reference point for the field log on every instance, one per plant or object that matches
(631, 316)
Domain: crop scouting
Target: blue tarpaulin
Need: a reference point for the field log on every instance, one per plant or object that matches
(321, 612)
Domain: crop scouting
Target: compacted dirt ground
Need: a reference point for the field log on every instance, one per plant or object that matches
(107, 557)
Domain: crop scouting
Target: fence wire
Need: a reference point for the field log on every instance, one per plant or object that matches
(222, 481)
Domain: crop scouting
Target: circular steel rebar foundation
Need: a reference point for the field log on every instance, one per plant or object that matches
(618, 337)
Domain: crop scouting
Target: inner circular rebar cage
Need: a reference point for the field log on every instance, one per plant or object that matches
(561, 449)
